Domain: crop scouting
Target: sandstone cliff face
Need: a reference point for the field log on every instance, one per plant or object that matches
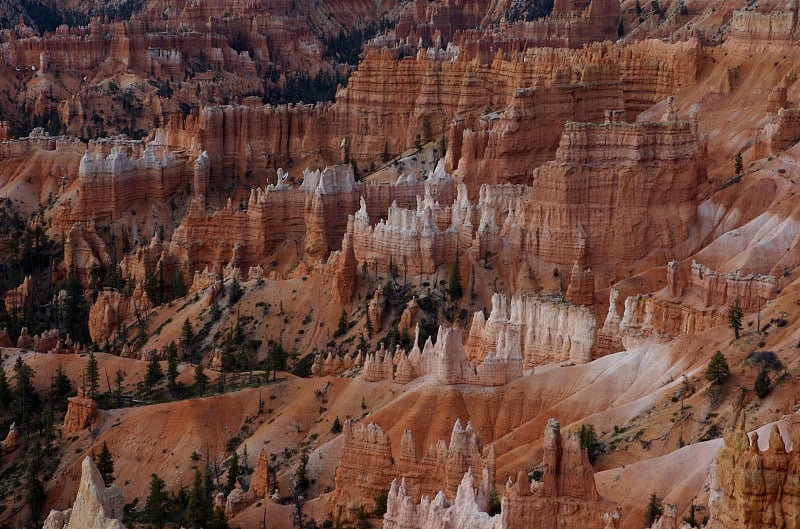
(542, 329)
(567, 497)
(12, 441)
(85, 252)
(779, 134)
(81, 412)
(17, 298)
(755, 488)
(468, 511)
(96, 506)
(751, 29)
(368, 466)
(568, 491)
(312, 217)
(447, 361)
(111, 309)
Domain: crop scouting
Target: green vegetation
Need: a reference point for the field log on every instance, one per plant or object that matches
(718, 370)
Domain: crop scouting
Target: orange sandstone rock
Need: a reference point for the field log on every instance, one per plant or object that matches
(81, 412)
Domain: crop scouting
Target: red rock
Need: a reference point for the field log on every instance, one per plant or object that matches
(17, 298)
(81, 412)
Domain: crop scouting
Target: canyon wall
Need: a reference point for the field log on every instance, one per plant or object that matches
(446, 361)
(566, 497)
(542, 329)
(754, 488)
(368, 466)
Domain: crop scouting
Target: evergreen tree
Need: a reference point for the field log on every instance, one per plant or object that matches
(735, 318)
(342, 327)
(153, 374)
(178, 285)
(200, 380)
(718, 370)
(26, 400)
(172, 368)
(75, 311)
(198, 509)
(235, 292)
(454, 288)
(620, 29)
(220, 521)
(589, 441)
(156, 502)
(336, 427)
(61, 384)
(653, 511)
(34, 494)
(105, 465)
(369, 327)
(494, 501)
(233, 472)
(187, 336)
(119, 378)
(762, 385)
(737, 164)
(276, 358)
(5, 391)
(92, 375)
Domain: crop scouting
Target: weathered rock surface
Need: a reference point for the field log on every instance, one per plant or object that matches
(96, 506)
(368, 466)
(12, 441)
(755, 488)
(447, 361)
(543, 329)
(81, 411)
(111, 309)
(16, 298)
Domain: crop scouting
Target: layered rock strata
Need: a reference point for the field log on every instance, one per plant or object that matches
(111, 309)
(754, 488)
(566, 497)
(96, 506)
(542, 329)
(81, 412)
(447, 361)
(367, 465)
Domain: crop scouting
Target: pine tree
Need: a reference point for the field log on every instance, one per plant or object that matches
(762, 385)
(197, 509)
(61, 384)
(654, 510)
(368, 326)
(105, 465)
(235, 292)
(336, 427)
(187, 336)
(737, 164)
(342, 327)
(34, 493)
(119, 378)
(233, 472)
(154, 507)
(200, 380)
(589, 442)
(717, 370)
(172, 368)
(219, 521)
(26, 400)
(454, 287)
(154, 373)
(92, 375)
(5, 391)
(735, 318)
(494, 501)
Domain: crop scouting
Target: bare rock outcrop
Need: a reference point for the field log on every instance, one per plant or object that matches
(568, 487)
(566, 498)
(81, 412)
(25, 340)
(5, 339)
(754, 488)
(344, 272)
(96, 506)
(12, 441)
(368, 465)
(447, 361)
(85, 251)
(17, 298)
(543, 329)
(111, 309)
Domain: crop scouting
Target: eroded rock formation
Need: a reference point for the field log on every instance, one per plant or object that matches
(81, 411)
(447, 361)
(17, 298)
(755, 489)
(12, 441)
(111, 309)
(542, 329)
(368, 465)
(96, 506)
